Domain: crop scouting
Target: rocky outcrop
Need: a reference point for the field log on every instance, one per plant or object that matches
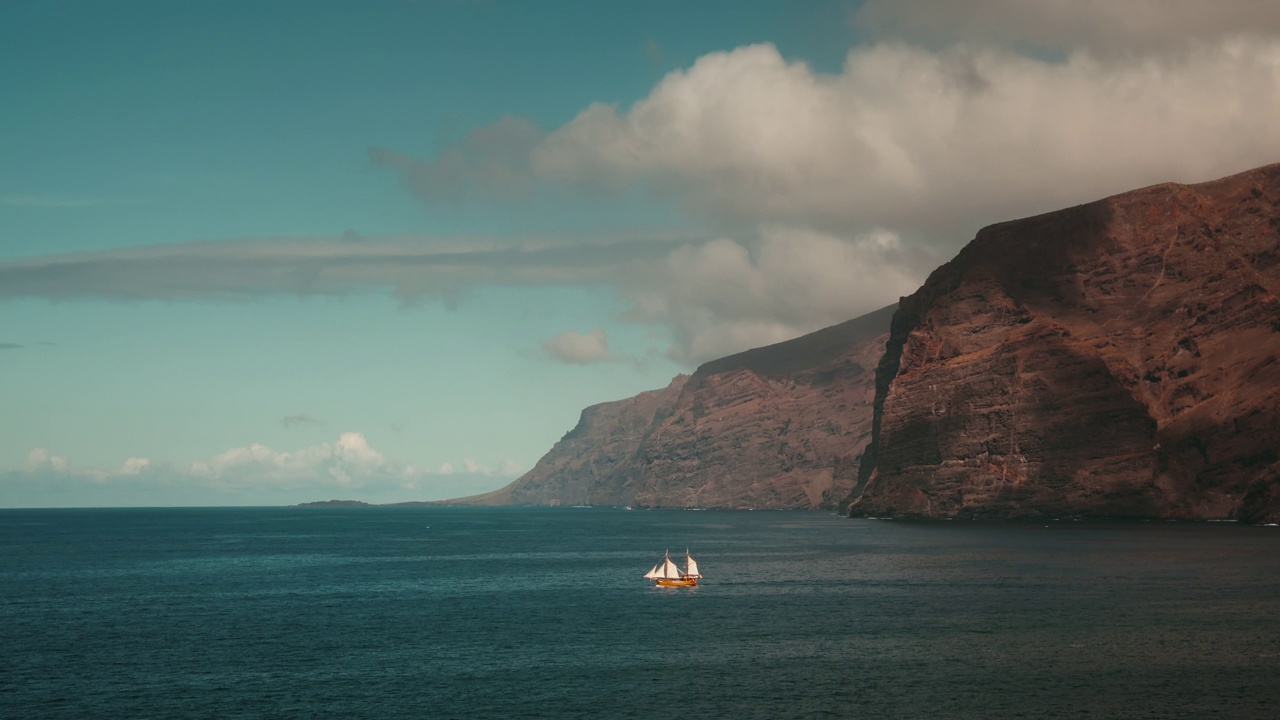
(1120, 358)
(333, 504)
(774, 427)
(585, 466)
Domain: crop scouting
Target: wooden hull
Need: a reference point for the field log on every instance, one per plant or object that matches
(682, 582)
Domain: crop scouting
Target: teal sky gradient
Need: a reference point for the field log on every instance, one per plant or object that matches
(142, 123)
(196, 120)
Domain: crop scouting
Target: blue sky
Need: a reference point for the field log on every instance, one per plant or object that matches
(261, 253)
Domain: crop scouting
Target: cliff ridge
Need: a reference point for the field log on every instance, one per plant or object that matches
(1115, 359)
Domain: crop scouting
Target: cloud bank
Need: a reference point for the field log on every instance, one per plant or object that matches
(253, 474)
(926, 143)
(960, 115)
(714, 296)
(408, 267)
(821, 196)
(725, 295)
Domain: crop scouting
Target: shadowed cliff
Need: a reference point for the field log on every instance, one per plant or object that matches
(1120, 358)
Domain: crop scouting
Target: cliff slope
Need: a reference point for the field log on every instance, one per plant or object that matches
(583, 467)
(774, 427)
(1120, 358)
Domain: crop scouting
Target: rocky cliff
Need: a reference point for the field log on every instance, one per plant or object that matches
(584, 467)
(1120, 358)
(775, 427)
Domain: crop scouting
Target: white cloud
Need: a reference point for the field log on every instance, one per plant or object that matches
(40, 459)
(347, 462)
(579, 348)
(725, 296)
(927, 143)
(843, 190)
(353, 448)
(856, 184)
(134, 466)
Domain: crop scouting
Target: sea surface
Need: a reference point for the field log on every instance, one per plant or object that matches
(542, 613)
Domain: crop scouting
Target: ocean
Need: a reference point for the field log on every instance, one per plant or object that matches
(542, 613)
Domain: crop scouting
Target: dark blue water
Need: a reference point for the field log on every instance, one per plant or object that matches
(515, 613)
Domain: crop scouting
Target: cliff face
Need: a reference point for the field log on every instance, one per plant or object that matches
(1120, 358)
(584, 467)
(774, 427)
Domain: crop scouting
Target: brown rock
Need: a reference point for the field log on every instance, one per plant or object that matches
(584, 466)
(1120, 358)
(774, 427)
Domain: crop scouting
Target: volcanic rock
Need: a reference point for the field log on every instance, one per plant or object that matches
(774, 427)
(1120, 358)
(583, 468)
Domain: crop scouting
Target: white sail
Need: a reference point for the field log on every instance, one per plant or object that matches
(691, 565)
(668, 570)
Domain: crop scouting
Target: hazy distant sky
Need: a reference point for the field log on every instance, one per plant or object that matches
(270, 252)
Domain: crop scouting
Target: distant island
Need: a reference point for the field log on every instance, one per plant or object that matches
(361, 503)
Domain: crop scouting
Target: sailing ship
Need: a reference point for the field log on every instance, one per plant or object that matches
(667, 574)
